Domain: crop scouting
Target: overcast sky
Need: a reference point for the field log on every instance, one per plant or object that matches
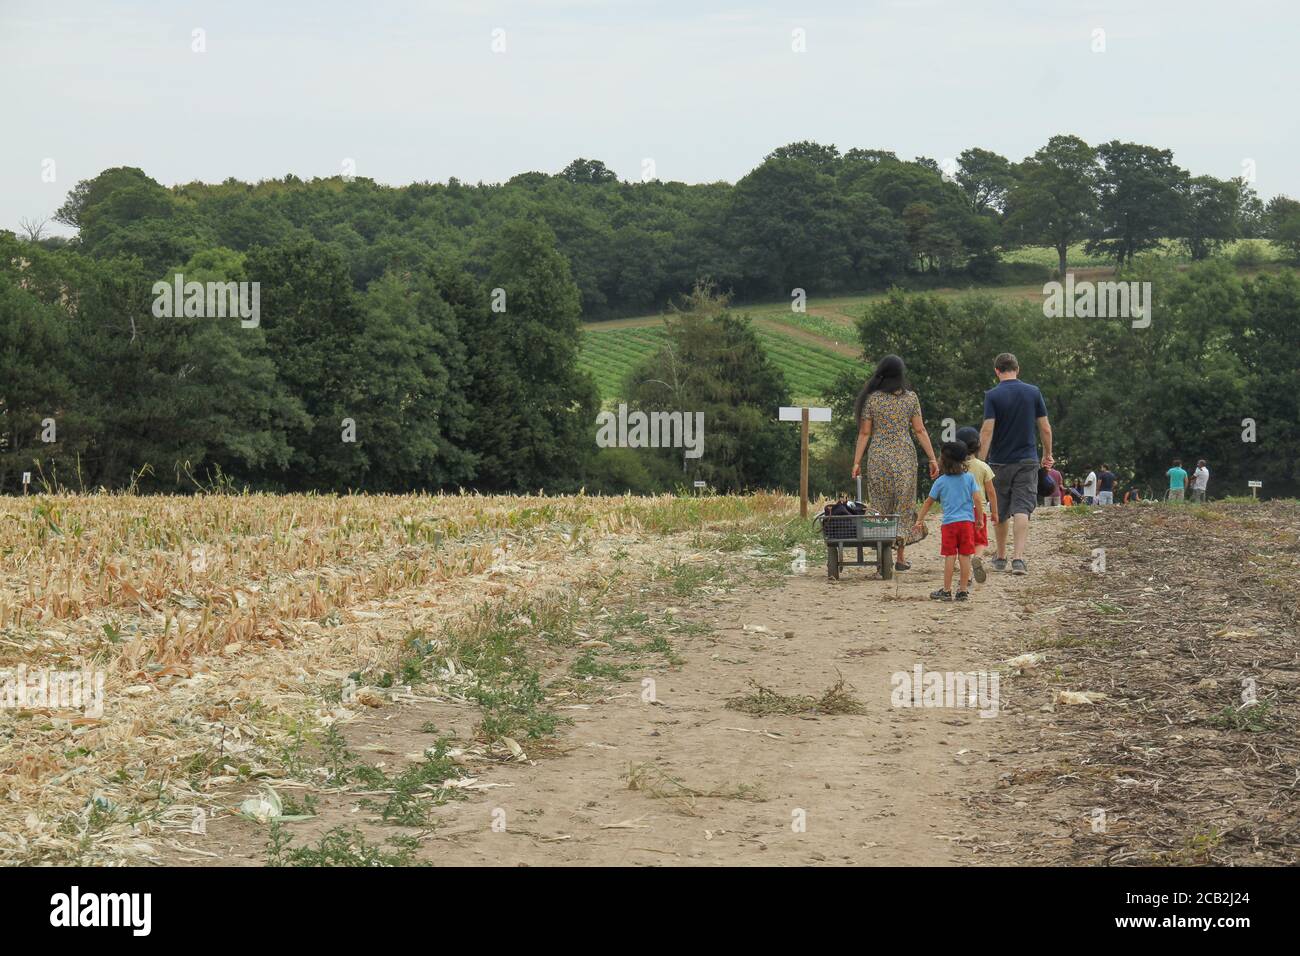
(414, 90)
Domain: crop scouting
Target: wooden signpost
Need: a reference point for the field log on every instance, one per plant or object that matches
(1254, 487)
(804, 415)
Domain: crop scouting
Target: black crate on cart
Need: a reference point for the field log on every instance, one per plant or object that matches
(871, 536)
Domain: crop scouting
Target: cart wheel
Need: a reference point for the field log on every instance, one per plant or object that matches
(832, 562)
(885, 558)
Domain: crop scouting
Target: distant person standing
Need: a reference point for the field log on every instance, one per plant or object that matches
(1012, 411)
(1200, 481)
(1105, 486)
(1090, 489)
(1177, 481)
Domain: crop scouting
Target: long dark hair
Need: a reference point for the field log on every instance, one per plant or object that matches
(890, 376)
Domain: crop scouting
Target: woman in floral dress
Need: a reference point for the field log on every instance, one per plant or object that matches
(888, 414)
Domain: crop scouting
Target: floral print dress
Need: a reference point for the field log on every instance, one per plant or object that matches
(891, 457)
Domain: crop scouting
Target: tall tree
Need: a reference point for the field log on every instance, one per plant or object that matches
(1053, 201)
(534, 411)
(314, 325)
(1211, 214)
(1140, 200)
(985, 178)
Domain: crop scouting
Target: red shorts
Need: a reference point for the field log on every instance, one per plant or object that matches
(982, 532)
(957, 537)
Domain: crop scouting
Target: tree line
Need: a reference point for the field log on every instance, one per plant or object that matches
(808, 216)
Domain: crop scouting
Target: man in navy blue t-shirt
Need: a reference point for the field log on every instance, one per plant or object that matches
(1015, 417)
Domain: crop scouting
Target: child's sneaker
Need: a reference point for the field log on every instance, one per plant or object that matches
(963, 595)
(999, 564)
(977, 568)
(941, 595)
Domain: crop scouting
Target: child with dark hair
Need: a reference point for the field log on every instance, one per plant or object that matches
(957, 493)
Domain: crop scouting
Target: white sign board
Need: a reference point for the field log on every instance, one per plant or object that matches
(795, 414)
(27, 477)
(701, 484)
(1254, 484)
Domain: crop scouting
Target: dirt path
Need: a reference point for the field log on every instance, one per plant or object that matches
(883, 787)
(684, 779)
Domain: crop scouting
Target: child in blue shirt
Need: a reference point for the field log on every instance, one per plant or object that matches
(963, 509)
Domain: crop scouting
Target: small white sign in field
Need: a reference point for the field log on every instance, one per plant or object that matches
(795, 414)
(1254, 484)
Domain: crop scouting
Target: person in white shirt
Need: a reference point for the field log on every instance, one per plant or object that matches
(1090, 488)
(1200, 481)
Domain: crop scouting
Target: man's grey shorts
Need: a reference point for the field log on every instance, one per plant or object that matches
(1016, 486)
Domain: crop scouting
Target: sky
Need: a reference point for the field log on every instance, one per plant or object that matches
(423, 91)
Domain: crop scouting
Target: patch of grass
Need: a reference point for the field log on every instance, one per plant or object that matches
(589, 664)
(292, 808)
(417, 651)
(339, 763)
(1254, 718)
(659, 644)
(765, 702)
(687, 577)
(341, 846)
(418, 788)
(493, 643)
(518, 710)
(778, 537)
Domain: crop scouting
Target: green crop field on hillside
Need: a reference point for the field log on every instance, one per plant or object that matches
(809, 370)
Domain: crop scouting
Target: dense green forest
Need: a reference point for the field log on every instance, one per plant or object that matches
(427, 336)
